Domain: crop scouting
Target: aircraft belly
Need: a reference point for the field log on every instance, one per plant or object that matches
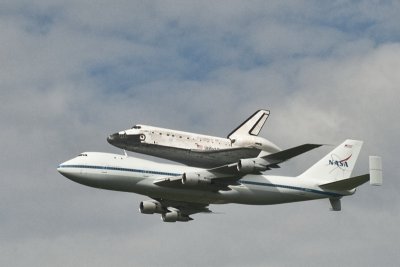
(192, 157)
(259, 192)
(254, 195)
(266, 191)
(170, 153)
(145, 186)
(261, 196)
(238, 196)
(178, 194)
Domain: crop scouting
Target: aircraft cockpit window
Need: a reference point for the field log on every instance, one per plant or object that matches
(82, 155)
(136, 127)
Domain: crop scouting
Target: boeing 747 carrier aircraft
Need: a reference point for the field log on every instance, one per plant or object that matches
(177, 192)
(195, 149)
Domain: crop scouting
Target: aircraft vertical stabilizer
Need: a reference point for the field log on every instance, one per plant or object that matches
(337, 165)
(252, 126)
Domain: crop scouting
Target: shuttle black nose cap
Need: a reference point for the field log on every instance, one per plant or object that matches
(112, 138)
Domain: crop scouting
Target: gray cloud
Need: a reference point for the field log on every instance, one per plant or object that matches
(72, 73)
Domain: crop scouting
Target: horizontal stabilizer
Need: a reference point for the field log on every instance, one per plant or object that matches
(346, 184)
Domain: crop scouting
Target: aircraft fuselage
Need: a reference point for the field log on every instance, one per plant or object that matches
(128, 174)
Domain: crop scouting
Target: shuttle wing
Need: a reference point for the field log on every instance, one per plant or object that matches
(220, 178)
(197, 157)
(215, 158)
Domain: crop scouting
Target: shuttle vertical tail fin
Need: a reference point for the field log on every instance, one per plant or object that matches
(252, 126)
(337, 165)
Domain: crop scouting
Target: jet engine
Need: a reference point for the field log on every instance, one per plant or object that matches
(174, 216)
(251, 165)
(193, 179)
(150, 207)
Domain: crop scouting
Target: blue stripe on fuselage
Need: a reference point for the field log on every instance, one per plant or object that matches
(118, 169)
(307, 190)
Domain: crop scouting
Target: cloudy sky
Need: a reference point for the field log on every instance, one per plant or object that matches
(72, 72)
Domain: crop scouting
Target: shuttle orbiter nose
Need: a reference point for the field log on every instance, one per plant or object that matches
(123, 139)
(118, 139)
(113, 138)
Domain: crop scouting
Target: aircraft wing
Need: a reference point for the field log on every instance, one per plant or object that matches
(284, 155)
(264, 163)
(220, 178)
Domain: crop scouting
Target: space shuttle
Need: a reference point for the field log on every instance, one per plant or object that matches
(198, 150)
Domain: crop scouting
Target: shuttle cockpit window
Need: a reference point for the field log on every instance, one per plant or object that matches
(137, 127)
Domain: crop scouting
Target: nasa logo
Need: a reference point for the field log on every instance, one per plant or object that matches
(339, 163)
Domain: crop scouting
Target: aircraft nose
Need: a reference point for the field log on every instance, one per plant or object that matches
(63, 169)
(112, 138)
(71, 169)
(118, 139)
(59, 169)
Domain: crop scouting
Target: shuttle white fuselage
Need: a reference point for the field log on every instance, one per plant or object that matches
(196, 149)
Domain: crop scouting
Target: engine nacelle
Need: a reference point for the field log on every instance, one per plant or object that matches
(251, 165)
(174, 216)
(193, 179)
(150, 207)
